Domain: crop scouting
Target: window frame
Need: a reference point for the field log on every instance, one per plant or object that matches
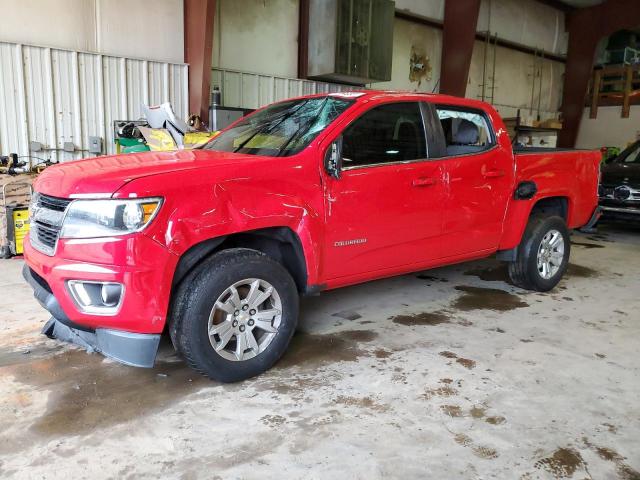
(462, 109)
(423, 118)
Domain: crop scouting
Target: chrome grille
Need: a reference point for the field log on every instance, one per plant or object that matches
(609, 192)
(53, 203)
(47, 214)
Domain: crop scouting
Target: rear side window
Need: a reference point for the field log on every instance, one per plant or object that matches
(465, 131)
(385, 134)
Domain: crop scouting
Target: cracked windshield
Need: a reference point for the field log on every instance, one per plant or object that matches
(282, 129)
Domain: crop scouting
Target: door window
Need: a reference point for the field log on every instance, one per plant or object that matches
(389, 133)
(465, 132)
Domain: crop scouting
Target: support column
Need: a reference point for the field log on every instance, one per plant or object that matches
(579, 67)
(198, 47)
(303, 39)
(584, 34)
(458, 37)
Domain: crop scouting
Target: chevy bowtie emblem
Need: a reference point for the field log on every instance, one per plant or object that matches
(346, 243)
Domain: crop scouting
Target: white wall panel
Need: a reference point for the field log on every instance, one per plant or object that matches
(256, 36)
(53, 96)
(148, 29)
(11, 131)
(254, 90)
(526, 22)
(609, 129)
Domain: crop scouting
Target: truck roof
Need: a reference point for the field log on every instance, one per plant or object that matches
(368, 95)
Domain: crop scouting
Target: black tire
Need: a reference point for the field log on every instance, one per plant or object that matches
(524, 270)
(195, 299)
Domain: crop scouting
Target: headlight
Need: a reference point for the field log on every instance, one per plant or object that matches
(106, 218)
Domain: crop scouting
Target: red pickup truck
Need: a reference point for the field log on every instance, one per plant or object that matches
(215, 245)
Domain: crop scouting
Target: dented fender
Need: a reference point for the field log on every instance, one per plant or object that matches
(198, 206)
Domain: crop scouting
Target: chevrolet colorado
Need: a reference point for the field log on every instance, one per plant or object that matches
(215, 245)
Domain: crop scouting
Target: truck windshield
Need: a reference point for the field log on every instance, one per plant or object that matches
(282, 129)
(630, 155)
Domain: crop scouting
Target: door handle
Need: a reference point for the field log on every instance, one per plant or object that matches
(493, 173)
(424, 182)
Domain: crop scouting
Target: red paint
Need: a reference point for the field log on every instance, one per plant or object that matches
(392, 219)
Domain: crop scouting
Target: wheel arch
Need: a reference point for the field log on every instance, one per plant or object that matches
(552, 206)
(519, 213)
(280, 243)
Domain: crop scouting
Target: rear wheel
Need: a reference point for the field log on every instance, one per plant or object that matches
(235, 315)
(543, 254)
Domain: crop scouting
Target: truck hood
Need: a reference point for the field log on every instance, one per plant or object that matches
(615, 174)
(105, 175)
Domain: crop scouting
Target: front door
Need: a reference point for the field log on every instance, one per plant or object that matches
(386, 209)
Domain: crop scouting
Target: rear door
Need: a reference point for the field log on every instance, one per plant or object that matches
(479, 175)
(386, 209)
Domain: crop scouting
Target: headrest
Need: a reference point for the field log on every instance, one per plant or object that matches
(466, 134)
(406, 130)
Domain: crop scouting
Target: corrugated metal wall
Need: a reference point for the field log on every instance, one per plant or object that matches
(254, 90)
(53, 96)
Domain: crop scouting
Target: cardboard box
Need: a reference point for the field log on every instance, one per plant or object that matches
(551, 123)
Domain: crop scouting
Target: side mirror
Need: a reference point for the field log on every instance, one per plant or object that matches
(333, 158)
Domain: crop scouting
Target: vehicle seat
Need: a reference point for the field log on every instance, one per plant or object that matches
(465, 139)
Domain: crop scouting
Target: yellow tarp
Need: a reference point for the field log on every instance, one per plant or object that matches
(158, 139)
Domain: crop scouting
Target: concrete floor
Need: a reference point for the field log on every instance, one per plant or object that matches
(451, 373)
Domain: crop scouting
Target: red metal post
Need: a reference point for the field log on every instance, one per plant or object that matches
(198, 47)
(303, 39)
(458, 37)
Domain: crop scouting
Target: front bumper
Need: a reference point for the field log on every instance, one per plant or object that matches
(144, 268)
(628, 211)
(141, 265)
(136, 349)
(620, 210)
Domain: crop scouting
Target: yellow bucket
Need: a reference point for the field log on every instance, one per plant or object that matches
(20, 228)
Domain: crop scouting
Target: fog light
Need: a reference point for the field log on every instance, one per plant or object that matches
(110, 293)
(97, 298)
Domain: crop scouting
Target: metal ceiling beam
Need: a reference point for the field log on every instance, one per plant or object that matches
(458, 37)
(198, 47)
(586, 27)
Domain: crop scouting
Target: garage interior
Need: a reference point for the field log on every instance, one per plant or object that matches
(452, 372)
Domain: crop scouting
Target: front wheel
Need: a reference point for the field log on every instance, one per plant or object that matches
(543, 254)
(235, 315)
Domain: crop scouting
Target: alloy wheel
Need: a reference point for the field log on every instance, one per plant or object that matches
(245, 319)
(550, 254)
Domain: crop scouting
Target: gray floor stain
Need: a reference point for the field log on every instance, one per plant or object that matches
(89, 393)
(480, 298)
(311, 350)
(347, 315)
(586, 244)
(465, 362)
(580, 271)
(425, 318)
(563, 463)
